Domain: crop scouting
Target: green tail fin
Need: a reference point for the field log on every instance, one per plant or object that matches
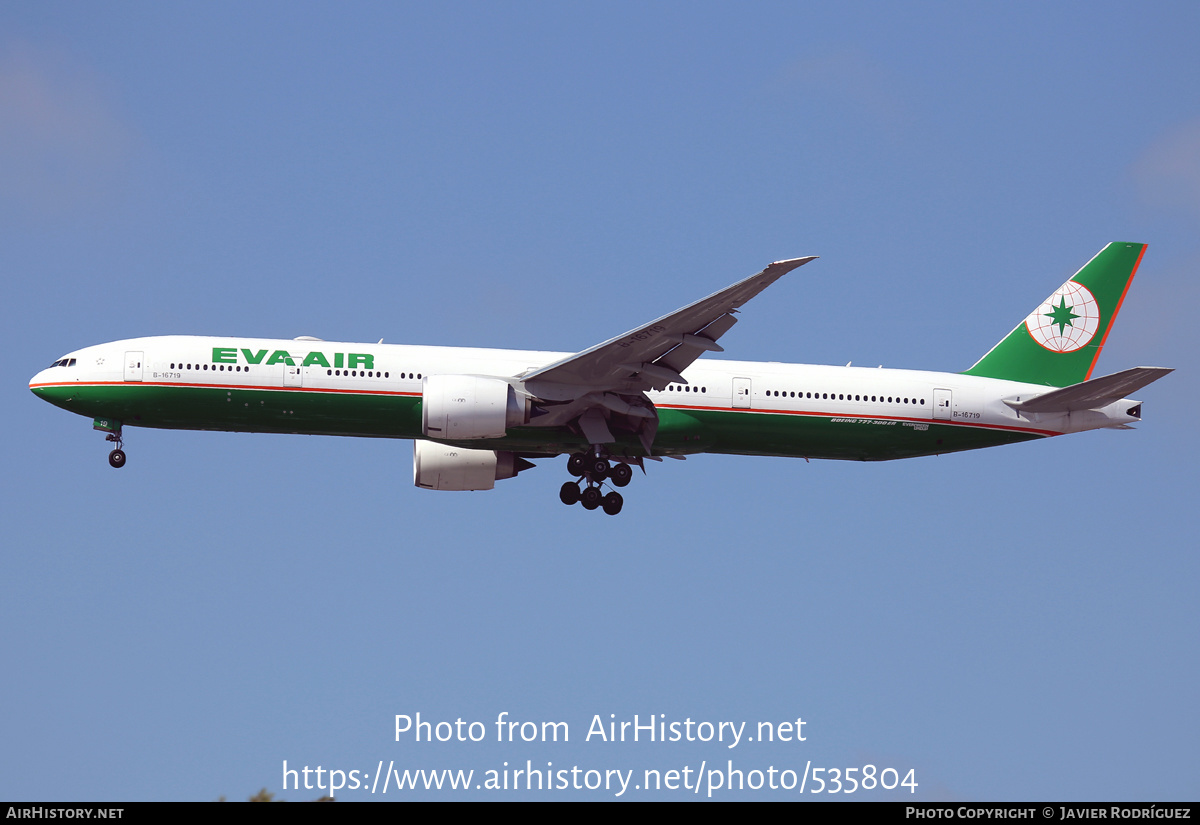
(1059, 342)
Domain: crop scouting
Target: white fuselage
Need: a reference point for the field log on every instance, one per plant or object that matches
(319, 367)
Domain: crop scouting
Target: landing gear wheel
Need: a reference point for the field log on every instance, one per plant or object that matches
(577, 464)
(568, 494)
(620, 475)
(598, 467)
(590, 498)
(117, 459)
(613, 502)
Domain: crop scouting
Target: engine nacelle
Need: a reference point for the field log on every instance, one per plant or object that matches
(456, 407)
(442, 467)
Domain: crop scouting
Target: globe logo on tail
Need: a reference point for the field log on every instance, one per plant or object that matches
(1067, 320)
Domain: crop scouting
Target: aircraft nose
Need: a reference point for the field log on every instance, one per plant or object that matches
(38, 382)
(53, 387)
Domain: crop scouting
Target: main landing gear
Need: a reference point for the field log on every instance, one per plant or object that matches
(592, 470)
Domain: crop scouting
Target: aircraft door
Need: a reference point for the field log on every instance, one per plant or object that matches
(741, 393)
(943, 405)
(293, 376)
(133, 366)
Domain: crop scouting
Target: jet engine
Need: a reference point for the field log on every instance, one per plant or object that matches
(442, 467)
(456, 407)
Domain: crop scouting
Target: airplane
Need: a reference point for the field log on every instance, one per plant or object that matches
(478, 416)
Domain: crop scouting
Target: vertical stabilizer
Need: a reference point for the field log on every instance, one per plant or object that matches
(1059, 342)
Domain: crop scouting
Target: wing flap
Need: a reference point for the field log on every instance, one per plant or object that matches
(692, 347)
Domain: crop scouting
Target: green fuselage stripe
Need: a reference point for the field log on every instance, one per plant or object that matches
(390, 414)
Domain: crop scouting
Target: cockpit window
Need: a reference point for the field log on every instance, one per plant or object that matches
(64, 362)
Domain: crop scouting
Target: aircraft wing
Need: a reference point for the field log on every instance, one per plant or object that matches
(653, 355)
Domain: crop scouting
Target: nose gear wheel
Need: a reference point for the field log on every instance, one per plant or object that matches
(116, 459)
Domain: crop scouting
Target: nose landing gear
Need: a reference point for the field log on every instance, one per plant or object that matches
(116, 459)
(592, 470)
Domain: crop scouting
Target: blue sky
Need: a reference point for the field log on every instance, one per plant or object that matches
(1019, 623)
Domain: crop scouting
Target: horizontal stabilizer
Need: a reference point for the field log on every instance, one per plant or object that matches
(1093, 394)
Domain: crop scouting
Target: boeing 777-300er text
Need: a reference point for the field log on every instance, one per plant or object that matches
(480, 415)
